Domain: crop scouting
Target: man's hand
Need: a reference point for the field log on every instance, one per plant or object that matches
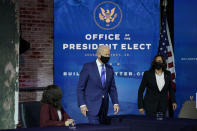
(141, 110)
(116, 108)
(84, 109)
(174, 106)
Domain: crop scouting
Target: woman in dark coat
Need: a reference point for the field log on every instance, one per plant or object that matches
(157, 82)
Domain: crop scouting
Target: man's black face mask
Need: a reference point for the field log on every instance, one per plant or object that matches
(104, 59)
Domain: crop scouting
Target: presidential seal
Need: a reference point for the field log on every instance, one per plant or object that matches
(107, 15)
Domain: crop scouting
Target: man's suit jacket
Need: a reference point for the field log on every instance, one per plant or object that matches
(90, 90)
(49, 116)
(153, 97)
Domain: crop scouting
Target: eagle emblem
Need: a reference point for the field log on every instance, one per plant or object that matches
(107, 16)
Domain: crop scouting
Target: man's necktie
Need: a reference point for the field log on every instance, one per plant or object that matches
(103, 76)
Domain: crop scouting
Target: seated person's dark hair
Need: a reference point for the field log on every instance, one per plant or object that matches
(52, 95)
(52, 113)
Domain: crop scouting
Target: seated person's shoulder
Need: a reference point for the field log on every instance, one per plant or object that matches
(45, 105)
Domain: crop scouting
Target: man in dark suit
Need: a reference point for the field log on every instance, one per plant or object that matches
(157, 81)
(95, 84)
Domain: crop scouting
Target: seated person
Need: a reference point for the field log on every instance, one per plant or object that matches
(52, 113)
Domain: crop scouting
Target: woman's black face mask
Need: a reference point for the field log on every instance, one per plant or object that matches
(158, 65)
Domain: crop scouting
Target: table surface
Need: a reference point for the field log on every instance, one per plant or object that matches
(79, 127)
(141, 123)
(129, 123)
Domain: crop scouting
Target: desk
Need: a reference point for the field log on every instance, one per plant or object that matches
(128, 123)
(79, 127)
(143, 123)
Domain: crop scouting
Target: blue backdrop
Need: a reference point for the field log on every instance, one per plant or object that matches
(185, 37)
(78, 24)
